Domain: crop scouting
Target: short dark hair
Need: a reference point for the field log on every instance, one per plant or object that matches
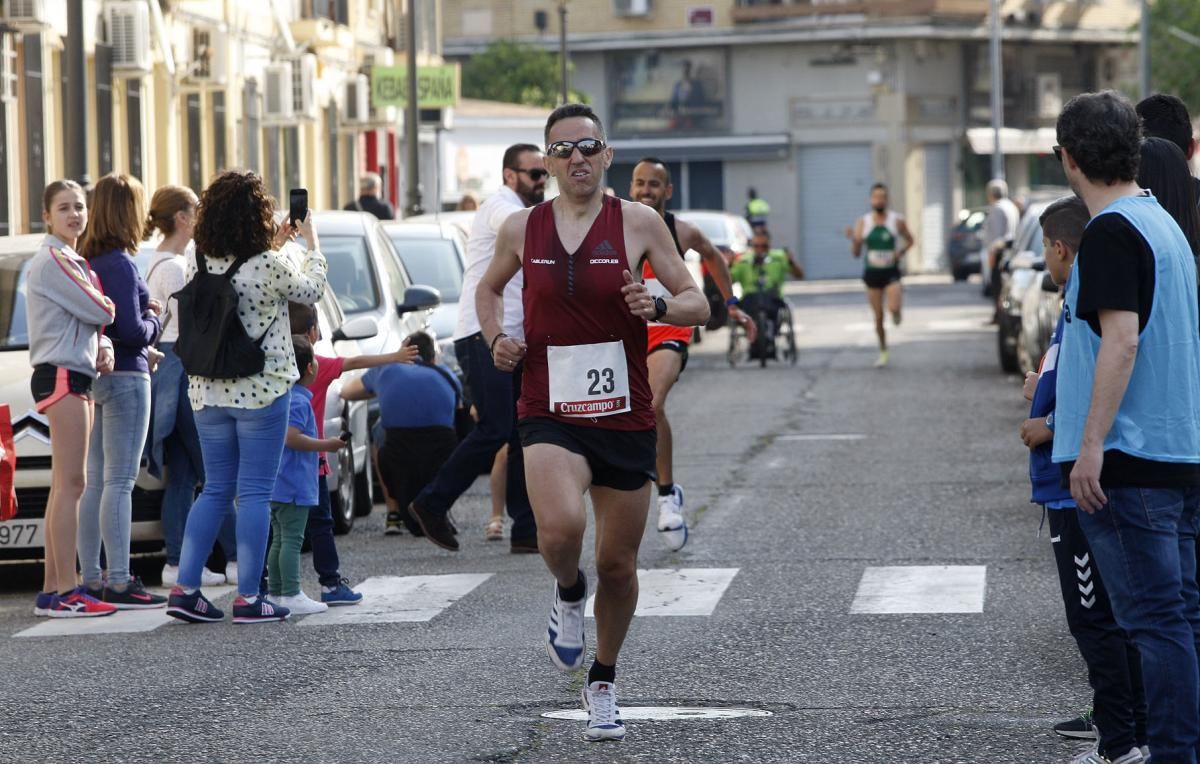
(659, 162)
(569, 110)
(303, 317)
(304, 352)
(513, 153)
(1166, 116)
(881, 186)
(1103, 133)
(424, 345)
(1164, 171)
(1064, 220)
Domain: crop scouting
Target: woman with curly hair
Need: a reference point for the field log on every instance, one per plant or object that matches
(242, 422)
(122, 398)
(174, 443)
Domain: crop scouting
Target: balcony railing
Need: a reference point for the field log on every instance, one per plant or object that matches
(749, 11)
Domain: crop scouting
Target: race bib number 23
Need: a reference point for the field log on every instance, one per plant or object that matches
(588, 380)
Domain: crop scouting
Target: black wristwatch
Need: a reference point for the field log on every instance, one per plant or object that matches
(660, 308)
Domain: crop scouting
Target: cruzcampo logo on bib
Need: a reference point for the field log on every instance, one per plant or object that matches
(588, 380)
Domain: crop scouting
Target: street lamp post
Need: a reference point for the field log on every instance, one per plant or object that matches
(997, 94)
(562, 50)
(412, 119)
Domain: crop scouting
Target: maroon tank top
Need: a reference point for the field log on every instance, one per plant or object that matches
(575, 299)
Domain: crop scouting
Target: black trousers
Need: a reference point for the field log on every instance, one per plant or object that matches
(1113, 663)
(411, 457)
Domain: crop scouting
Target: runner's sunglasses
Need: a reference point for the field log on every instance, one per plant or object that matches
(589, 147)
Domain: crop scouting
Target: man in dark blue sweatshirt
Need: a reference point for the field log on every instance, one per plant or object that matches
(1113, 662)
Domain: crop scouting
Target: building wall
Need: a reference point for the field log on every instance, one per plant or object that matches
(515, 18)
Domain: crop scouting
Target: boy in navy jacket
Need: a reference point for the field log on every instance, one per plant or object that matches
(1113, 663)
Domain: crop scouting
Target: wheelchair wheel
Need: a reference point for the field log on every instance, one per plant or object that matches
(790, 352)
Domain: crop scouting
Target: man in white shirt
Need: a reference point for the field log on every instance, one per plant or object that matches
(999, 226)
(494, 393)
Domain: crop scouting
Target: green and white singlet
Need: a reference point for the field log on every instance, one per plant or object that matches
(881, 241)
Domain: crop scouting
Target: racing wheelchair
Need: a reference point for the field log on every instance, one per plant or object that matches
(776, 333)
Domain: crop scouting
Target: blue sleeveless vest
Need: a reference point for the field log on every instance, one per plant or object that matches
(1159, 417)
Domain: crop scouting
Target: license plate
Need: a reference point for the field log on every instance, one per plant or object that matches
(19, 534)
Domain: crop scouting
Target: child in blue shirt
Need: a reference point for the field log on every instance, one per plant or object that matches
(1113, 662)
(296, 490)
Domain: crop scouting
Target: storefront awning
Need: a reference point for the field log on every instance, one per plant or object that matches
(1012, 140)
(711, 148)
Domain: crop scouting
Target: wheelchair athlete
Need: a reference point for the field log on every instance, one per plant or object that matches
(762, 273)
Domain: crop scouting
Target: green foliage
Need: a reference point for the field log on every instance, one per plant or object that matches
(515, 73)
(1175, 64)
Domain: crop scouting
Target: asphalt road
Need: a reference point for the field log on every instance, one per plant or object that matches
(925, 469)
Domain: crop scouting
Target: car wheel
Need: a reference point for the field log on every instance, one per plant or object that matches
(1006, 346)
(364, 494)
(343, 500)
(959, 274)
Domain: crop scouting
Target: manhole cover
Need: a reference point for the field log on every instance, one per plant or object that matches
(664, 713)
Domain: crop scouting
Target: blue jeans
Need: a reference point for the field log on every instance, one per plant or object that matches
(320, 535)
(114, 457)
(1144, 541)
(241, 450)
(184, 461)
(495, 394)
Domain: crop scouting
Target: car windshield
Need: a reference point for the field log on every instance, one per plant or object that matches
(14, 331)
(433, 262)
(351, 275)
(712, 227)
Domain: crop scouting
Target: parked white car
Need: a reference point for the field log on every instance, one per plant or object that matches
(435, 254)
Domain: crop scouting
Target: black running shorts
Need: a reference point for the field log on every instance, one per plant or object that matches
(619, 459)
(677, 346)
(881, 278)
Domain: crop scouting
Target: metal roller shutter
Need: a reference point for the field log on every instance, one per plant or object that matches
(935, 215)
(835, 185)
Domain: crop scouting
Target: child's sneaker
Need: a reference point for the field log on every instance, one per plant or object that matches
(341, 594)
(134, 597)
(78, 604)
(302, 604)
(262, 610)
(43, 603)
(170, 576)
(231, 573)
(193, 608)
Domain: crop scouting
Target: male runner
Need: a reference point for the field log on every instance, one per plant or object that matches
(586, 415)
(651, 185)
(881, 230)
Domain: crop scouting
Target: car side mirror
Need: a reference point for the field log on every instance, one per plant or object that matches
(359, 328)
(1048, 284)
(419, 298)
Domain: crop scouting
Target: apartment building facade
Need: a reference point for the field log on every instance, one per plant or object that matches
(176, 90)
(810, 102)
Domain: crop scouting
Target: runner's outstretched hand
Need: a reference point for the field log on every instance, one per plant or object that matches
(637, 297)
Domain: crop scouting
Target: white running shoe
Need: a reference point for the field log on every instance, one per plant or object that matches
(302, 604)
(231, 576)
(170, 576)
(565, 637)
(604, 718)
(672, 526)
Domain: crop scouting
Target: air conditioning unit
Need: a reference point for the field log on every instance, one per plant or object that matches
(278, 102)
(207, 55)
(358, 99)
(26, 12)
(631, 7)
(304, 86)
(129, 34)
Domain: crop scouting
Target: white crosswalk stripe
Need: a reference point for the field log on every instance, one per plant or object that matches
(678, 592)
(395, 599)
(921, 589)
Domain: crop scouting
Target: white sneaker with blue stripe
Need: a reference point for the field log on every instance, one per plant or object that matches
(604, 718)
(565, 639)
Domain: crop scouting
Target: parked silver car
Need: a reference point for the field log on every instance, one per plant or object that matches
(435, 254)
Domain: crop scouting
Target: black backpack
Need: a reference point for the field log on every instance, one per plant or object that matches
(212, 341)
